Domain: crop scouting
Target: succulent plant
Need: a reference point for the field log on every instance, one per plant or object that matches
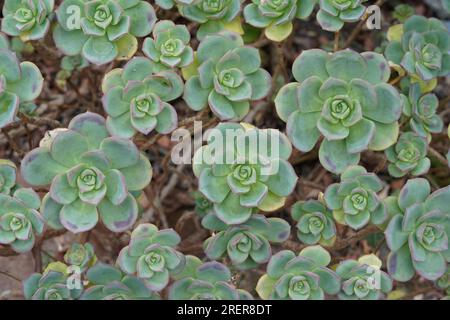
(203, 206)
(135, 98)
(247, 244)
(334, 13)
(363, 279)
(423, 48)
(418, 232)
(109, 283)
(80, 255)
(207, 281)
(27, 19)
(169, 45)
(52, 285)
(20, 221)
(229, 77)
(408, 155)
(421, 109)
(7, 176)
(70, 63)
(276, 16)
(354, 200)
(444, 282)
(344, 97)
(20, 83)
(102, 30)
(403, 11)
(315, 222)
(168, 4)
(151, 255)
(88, 176)
(243, 169)
(212, 15)
(302, 277)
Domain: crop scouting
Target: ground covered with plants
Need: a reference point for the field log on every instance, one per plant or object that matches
(343, 193)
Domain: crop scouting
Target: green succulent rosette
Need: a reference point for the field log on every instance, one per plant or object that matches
(244, 169)
(89, 176)
(333, 14)
(422, 49)
(363, 279)
(80, 255)
(345, 98)
(7, 176)
(102, 30)
(203, 206)
(151, 255)
(408, 155)
(277, 16)
(229, 77)
(247, 245)
(136, 98)
(27, 19)
(354, 200)
(168, 4)
(315, 223)
(402, 12)
(20, 220)
(418, 232)
(52, 285)
(444, 282)
(169, 45)
(109, 283)
(71, 63)
(302, 277)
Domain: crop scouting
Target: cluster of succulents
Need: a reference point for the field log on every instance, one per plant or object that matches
(51, 285)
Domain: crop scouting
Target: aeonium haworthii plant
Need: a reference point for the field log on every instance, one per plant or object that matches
(7, 176)
(136, 98)
(89, 176)
(243, 169)
(50, 285)
(333, 14)
(345, 98)
(81, 256)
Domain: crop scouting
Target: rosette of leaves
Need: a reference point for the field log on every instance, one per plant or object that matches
(203, 206)
(421, 109)
(168, 4)
(52, 285)
(363, 279)
(315, 223)
(170, 45)
(444, 282)
(102, 30)
(408, 155)
(343, 97)
(276, 16)
(80, 255)
(135, 98)
(423, 48)
(71, 63)
(402, 12)
(27, 19)
(7, 176)
(109, 283)
(354, 200)
(151, 255)
(229, 77)
(418, 232)
(207, 281)
(89, 175)
(333, 14)
(212, 15)
(247, 245)
(20, 83)
(244, 169)
(302, 277)
(20, 221)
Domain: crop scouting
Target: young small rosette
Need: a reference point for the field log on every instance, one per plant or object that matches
(136, 98)
(418, 232)
(203, 206)
(242, 169)
(81, 256)
(408, 155)
(7, 176)
(169, 45)
(363, 279)
(422, 49)
(151, 255)
(229, 77)
(333, 14)
(444, 282)
(89, 176)
(102, 30)
(345, 98)
(315, 223)
(52, 285)
(27, 19)
(277, 16)
(247, 245)
(109, 283)
(302, 277)
(354, 200)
